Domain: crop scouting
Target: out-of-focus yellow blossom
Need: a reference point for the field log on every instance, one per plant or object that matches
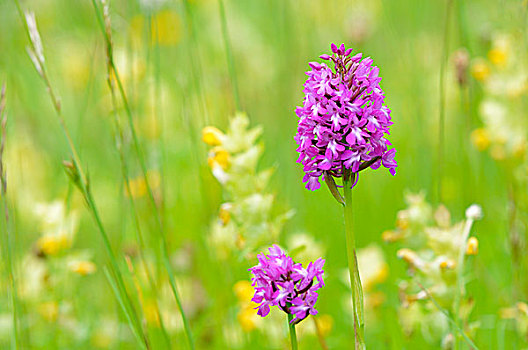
(373, 268)
(106, 334)
(409, 257)
(165, 28)
(151, 313)
(502, 107)
(519, 149)
(129, 68)
(518, 313)
(325, 323)
(498, 55)
(75, 64)
(480, 70)
(224, 215)
(447, 264)
(247, 317)
(391, 236)
(53, 244)
(55, 218)
(49, 310)
(219, 156)
(480, 139)
(498, 152)
(57, 226)
(82, 267)
(472, 246)
(31, 164)
(138, 186)
(373, 271)
(212, 136)
(243, 290)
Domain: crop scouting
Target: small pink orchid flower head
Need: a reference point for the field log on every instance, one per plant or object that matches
(343, 121)
(278, 281)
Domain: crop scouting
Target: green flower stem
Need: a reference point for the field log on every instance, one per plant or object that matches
(293, 334)
(355, 281)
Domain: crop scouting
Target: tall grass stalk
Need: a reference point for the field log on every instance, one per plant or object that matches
(8, 236)
(104, 24)
(229, 54)
(134, 212)
(158, 100)
(353, 268)
(442, 112)
(188, 22)
(119, 142)
(79, 177)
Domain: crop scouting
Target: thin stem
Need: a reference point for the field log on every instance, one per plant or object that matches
(83, 184)
(8, 244)
(229, 54)
(460, 275)
(441, 119)
(104, 24)
(353, 268)
(293, 334)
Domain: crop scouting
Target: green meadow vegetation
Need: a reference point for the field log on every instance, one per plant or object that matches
(147, 156)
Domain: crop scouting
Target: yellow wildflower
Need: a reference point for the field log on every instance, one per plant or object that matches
(472, 246)
(243, 290)
(53, 244)
(498, 152)
(225, 214)
(391, 236)
(219, 156)
(49, 310)
(165, 29)
(325, 323)
(480, 139)
(82, 267)
(447, 264)
(480, 70)
(246, 318)
(407, 255)
(373, 268)
(212, 136)
(151, 313)
(497, 56)
(138, 186)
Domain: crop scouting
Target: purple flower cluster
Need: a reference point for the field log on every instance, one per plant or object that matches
(343, 121)
(279, 281)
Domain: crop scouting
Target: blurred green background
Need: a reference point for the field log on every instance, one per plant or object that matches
(171, 56)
